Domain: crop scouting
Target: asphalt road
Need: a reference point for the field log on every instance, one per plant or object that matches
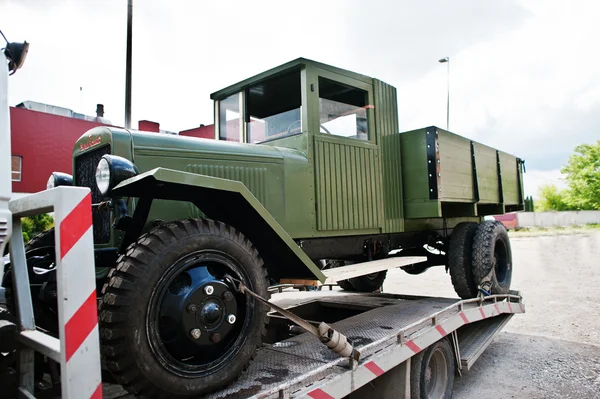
(551, 351)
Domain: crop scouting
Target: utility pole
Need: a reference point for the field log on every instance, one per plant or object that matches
(128, 66)
(447, 61)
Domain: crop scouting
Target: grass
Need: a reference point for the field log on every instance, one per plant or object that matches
(554, 231)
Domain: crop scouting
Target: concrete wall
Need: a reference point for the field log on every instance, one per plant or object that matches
(562, 219)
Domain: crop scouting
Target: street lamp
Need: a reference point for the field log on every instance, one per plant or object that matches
(447, 61)
(128, 65)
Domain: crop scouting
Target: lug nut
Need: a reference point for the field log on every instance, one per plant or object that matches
(215, 337)
(231, 318)
(192, 308)
(196, 333)
(208, 290)
(228, 296)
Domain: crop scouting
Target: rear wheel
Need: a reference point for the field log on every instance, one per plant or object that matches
(170, 324)
(432, 372)
(368, 283)
(460, 250)
(492, 257)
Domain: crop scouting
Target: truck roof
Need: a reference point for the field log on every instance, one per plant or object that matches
(298, 63)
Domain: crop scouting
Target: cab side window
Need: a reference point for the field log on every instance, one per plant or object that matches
(343, 110)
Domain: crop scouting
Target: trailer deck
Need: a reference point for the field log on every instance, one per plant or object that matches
(387, 329)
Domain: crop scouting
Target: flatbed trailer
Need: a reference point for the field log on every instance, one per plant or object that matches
(387, 329)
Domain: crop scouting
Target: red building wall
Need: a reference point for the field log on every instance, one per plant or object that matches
(45, 143)
(204, 132)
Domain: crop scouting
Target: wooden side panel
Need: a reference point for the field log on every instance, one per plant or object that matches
(487, 174)
(456, 168)
(510, 179)
(348, 184)
(417, 203)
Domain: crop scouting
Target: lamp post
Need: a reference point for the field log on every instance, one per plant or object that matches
(447, 61)
(128, 66)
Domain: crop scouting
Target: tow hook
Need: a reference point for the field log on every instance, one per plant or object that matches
(333, 339)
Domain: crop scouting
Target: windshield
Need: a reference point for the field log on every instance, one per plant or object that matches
(274, 108)
(229, 118)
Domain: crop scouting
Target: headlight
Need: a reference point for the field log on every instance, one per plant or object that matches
(103, 176)
(111, 171)
(57, 179)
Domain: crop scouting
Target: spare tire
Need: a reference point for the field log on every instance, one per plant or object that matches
(492, 257)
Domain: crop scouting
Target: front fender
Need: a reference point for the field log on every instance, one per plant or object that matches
(231, 202)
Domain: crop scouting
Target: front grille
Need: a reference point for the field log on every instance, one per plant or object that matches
(85, 176)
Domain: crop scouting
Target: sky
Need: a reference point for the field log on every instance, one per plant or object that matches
(524, 74)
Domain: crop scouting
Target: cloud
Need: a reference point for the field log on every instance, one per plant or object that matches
(524, 75)
(533, 91)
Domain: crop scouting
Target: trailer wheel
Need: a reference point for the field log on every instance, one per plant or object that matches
(492, 258)
(170, 326)
(432, 372)
(368, 283)
(460, 249)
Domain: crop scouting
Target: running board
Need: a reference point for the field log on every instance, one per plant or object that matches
(474, 338)
(360, 269)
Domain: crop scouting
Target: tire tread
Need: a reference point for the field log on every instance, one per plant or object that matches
(125, 278)
(460, 260)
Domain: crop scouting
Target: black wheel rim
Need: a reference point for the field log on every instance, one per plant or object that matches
(501, 262)
(436, 374)
(196, 323)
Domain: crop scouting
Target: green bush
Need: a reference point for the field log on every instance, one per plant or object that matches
(550, 198)
(34, 225)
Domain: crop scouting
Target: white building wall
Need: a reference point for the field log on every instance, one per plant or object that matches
(561, 219)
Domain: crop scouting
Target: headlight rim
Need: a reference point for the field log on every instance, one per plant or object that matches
(59, 179)
(118, 169)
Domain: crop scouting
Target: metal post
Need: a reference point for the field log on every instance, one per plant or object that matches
(448, 98)
(447, 61)
(128, 66)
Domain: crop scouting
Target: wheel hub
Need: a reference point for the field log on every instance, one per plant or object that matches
(196, 300)
(211, 313)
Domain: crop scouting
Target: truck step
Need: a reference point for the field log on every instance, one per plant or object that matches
(474, 338)
(364, 268)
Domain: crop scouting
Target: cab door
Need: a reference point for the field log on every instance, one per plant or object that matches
(346, 156)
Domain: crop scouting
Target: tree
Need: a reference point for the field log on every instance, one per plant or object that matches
(529, 204)
(551, 199)
(583, 177)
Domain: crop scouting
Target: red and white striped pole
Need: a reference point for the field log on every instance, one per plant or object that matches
(77, 308)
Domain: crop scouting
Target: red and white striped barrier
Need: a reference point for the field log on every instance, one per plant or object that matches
(77, 313)
(79, 354)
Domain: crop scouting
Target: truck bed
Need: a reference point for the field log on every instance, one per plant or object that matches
(448, 175)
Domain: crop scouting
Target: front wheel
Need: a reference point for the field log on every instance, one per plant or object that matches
(170, 324)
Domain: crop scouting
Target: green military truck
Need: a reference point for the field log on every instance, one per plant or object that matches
(308, 172)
